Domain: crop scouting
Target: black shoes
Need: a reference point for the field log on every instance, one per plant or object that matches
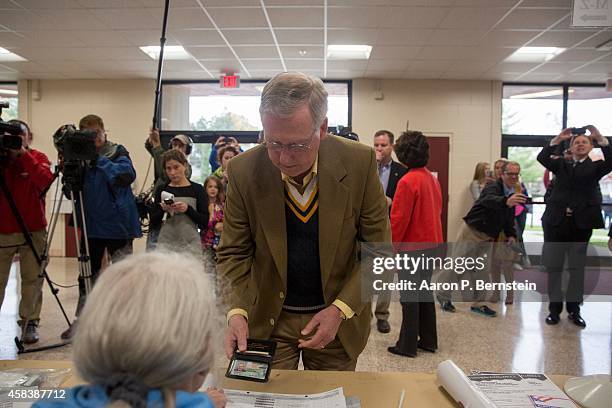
(552, 319)
(577, 319)
(427, 348)
(396, 351)
(383, 326)
(30, 336)
(574, 317)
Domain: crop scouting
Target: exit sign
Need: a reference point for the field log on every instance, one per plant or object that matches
(229, 81)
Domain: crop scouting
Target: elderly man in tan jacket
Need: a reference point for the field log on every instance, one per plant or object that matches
(297, 208)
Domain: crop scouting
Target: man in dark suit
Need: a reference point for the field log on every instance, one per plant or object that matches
(572, 211)
(389, 172)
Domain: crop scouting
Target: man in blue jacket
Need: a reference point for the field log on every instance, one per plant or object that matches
(111, 215)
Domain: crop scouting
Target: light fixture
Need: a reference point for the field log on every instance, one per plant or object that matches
(541, 94)
(302, 53)
(348, 52)
(8, 92)
(6, 55)
(534, 54)
(171, 52)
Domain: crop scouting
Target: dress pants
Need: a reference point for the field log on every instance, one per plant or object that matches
(31, 284)
(418, 317)
(566, 239)
(287, 332)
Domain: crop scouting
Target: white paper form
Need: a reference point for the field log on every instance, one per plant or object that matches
(248, 399)
(521, 390)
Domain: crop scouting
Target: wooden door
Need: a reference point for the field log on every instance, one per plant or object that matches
(439, 150)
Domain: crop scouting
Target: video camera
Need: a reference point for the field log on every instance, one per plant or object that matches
(77, 148)
(9, 134)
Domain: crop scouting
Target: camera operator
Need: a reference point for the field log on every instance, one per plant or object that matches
(111, 215)
(213, 159)
(155, 149)
(27, 175)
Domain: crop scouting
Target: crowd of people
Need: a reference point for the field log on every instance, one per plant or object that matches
(281, 225)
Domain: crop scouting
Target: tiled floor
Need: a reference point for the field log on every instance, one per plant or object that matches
(516, 340)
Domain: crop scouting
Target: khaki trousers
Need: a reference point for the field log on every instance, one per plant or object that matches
(287, 332)
(31, 284)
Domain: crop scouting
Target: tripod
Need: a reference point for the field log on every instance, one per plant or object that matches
(42, 262)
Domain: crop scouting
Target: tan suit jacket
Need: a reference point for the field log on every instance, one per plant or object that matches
(253, 251)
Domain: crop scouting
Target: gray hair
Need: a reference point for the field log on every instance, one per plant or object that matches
(289, 91)
(151, 315)
(509, 163)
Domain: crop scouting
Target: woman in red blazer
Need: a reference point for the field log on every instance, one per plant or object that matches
(416, 217)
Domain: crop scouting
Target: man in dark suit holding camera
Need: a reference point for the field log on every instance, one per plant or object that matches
(572, 211)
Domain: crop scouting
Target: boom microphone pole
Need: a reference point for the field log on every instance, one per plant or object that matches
(160, 64)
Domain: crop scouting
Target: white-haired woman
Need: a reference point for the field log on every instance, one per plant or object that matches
(146, 336)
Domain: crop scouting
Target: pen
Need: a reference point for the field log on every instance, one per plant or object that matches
(401, 401)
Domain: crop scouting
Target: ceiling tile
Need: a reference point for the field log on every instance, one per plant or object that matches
(210, 52)
(227, 65)
(9, 39)
(287, 36)
(294, 52)
(301, 65)
(485, 3)
(404, 37)
(197, 37)
(470, 17)
(547, 3)
(73, 19)
(532, 19)
(362, 17)
(255, 51)
(471, 66)
(124, 53)
(49, 4)
(602, 68)
(381, 52)
(352, 36)
(126, 19)
(20, 19)
(178, 66)
(438, 65)
(237, 18)
(195, 75)
(512, 67)
(98, 4)
(188, 18)
(102, 38)
(415, 17)
(463, 53)
(296, 17)
(556, 68)
(61, 54)
(456, 37)
(577, 55)
(563, 39)
(25, 66)
(461, 76)
(263, 64)
(259, 36)
(347, 64)
(108, 65)
(508, 38)
(600, 38)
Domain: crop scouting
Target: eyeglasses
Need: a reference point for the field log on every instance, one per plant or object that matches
(291, 147)
(511, 174)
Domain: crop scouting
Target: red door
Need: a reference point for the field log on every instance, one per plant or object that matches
(439, 148)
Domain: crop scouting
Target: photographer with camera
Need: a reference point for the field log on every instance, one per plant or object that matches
(155, 149)
(111, 215)
(214, 159)
(573, 210)
(27, 174)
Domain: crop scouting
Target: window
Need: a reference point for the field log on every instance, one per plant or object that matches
(204, 106)
(532, 110)
(590, 106)
(531, 116)
(8, 93)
